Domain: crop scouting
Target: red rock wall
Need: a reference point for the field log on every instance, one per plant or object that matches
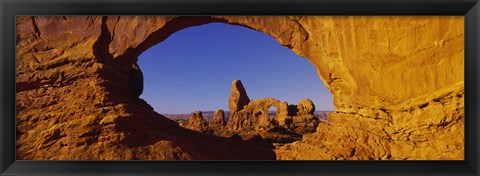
(78, 87)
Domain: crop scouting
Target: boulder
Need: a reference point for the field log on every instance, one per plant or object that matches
(197, 123)
(305, 106)
(305, 121)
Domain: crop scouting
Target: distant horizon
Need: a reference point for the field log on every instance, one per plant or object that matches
(224, 111)
(192, 70)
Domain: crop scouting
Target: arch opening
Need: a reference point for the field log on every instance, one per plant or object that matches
(272, 111)
(105, 50)
(199, 68)
(192, 56)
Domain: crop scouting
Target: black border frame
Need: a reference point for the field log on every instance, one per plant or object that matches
(470, 9)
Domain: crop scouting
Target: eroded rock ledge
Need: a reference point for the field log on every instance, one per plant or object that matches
(397, 84)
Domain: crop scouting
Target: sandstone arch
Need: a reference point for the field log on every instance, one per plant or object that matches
(255, 113)
(385, 74)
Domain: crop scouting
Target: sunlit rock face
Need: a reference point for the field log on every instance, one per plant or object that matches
(254, 121)
(304, 120)
(197, 123)
(237, 100)
(397, 84)
(218, 120)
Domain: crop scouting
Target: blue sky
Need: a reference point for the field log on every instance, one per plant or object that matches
(193, 69)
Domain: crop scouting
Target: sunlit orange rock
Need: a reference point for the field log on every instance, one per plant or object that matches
(218, 119)
(397, 84)
(197, 123)
(238, 98)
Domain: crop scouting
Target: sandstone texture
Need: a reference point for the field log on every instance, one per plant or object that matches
(432, 130)
(197, 123)
(238, 98)
(397, 84)
(218, 119)
(304, 121)
(253, 121)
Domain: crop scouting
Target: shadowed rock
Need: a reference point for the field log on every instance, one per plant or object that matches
(74, 82)
(135, 81)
